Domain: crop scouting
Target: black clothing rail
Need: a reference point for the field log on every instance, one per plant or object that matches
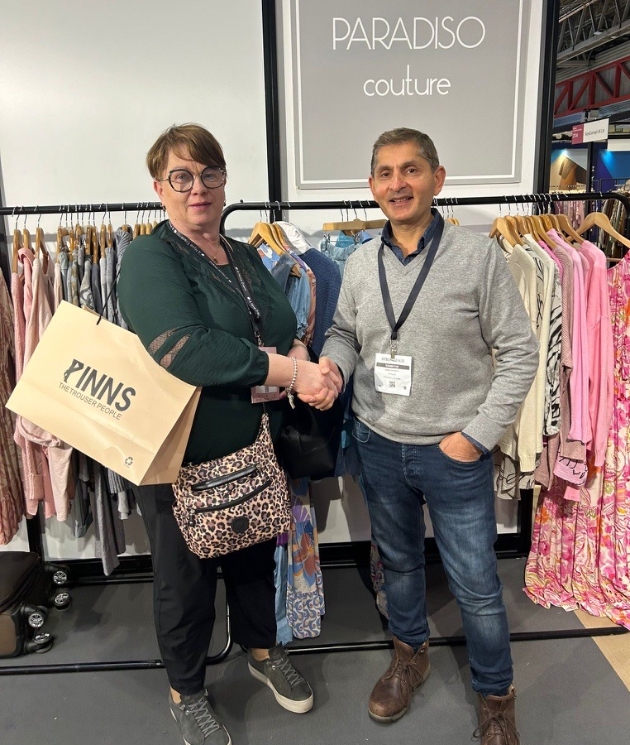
(438, 641)
(542, 202)
(74, 209)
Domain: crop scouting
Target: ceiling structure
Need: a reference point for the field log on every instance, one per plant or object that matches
(593, 62)
(587, 29)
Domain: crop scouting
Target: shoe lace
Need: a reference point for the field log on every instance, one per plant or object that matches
(290, 673)
(202, 713)
(500, 724)
(400, 669)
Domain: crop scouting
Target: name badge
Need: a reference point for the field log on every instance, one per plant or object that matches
(263, 393)
(393, 374)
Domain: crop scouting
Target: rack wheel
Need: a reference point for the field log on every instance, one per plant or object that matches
(60, 577)
(36, 617)
(39, 643)
(59, 574)
(62, 600)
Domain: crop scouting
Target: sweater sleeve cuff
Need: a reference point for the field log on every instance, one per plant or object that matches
(344, 358)
(478, 445)
(483, 432)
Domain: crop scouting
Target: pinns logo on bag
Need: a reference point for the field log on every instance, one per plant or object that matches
(97, 389)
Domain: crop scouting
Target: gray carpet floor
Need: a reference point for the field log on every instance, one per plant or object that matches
(567, 692)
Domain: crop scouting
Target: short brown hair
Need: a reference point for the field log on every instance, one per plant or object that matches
(193, 139)
(402, 135)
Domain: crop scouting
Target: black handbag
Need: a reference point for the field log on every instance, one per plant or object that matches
(308, 444)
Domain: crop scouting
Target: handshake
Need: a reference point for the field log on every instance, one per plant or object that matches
(316, 384)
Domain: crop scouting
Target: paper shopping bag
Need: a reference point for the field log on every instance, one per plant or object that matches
(93, 385)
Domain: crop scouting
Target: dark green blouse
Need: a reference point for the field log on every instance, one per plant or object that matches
(194, 322)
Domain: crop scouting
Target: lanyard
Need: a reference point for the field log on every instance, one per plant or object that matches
(241, 286)
(394, 324)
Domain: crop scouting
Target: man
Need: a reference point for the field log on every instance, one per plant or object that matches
(432, 325)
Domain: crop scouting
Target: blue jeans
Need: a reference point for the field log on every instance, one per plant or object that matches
(398, 478)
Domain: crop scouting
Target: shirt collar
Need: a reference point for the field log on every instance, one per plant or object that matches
(386, 235)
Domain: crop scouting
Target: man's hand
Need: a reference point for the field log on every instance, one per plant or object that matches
(328, 367)
(458, 447)
(334, 381)
(315, 388)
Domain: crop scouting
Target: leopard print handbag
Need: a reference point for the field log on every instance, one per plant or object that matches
(230, 503)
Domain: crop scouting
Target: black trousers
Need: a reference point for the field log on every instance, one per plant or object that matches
(184, 590)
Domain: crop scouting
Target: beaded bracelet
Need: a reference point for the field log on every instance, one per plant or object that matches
(289, 389)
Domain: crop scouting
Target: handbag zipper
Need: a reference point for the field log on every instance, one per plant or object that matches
(240, 500)
(221, 480)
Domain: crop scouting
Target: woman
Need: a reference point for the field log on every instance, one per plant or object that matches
(197, 301)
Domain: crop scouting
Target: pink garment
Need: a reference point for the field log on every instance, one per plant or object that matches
(578, 382)
(11, 489)
(31, 462)
(601, 354)
(31, 304)
(548, 251)
(57, 455)
(568, 447)
(580, 555)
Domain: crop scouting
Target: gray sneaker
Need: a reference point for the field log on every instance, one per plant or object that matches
(290, 689)
(198, 722)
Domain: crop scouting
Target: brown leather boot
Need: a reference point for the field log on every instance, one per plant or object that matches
(497, 720)
(392, 694)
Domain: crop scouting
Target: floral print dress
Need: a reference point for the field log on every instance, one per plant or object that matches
(580, 555)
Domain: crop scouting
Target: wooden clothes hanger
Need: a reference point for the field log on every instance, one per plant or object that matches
(565, 227)
(40, 248)
(600, 220)
(16, 247)
(102, 242)
(512, 221)
(26, 238)
(61, 232)
(351, 227)
(40, 244)
(502, 229)
(124, 226)
(538, 230)
(263, 232)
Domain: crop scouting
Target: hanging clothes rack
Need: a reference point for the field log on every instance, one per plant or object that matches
(506, 544)
(542, 202)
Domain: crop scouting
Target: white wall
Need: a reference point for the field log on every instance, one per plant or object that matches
(86, 87)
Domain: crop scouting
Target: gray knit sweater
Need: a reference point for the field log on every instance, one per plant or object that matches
(469, 307)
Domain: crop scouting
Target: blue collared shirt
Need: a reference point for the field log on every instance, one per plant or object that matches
(386, 237)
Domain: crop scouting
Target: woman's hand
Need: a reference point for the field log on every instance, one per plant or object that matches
(299, 352)
(314, 387)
